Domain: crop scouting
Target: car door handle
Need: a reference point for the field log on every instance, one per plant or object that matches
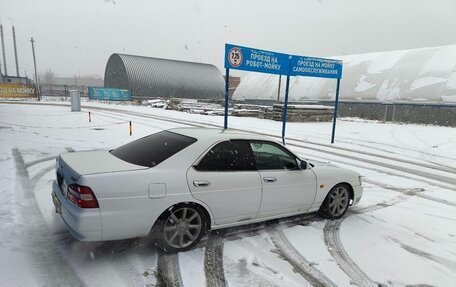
(198, 183)
(269, 179)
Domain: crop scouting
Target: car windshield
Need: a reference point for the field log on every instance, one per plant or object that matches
(151, 150)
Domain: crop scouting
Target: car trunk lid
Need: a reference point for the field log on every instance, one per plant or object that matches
(72, 165)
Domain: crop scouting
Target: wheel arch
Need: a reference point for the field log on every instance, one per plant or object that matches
(323, 209)
(350, 191)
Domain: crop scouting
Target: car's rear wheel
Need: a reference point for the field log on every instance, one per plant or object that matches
(181, 228)
(336, 202)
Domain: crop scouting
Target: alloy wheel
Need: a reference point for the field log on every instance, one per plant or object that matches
(338, 201)
(182, 227)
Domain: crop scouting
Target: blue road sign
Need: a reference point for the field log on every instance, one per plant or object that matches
(255, 60)
(109, 94)
(315, 67)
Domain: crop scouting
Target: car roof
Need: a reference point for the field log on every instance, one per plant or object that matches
(213, 134)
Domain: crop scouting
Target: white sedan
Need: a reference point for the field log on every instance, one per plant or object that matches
(177, 184)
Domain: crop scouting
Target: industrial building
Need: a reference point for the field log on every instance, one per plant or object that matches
(148, 77)
(14, 80)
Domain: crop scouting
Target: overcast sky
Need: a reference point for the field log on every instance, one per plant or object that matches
(77, 37)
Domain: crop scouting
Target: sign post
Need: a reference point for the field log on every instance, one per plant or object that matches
(285, 110)
(336, 104)
(227, 86)
(262, 61)
(254, 60)
(320, 68)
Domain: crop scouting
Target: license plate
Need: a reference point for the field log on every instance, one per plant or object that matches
(57, 204)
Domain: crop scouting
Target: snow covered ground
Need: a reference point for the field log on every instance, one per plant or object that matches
(403, 232)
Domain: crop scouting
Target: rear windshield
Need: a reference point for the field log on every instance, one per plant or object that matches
(151, 150)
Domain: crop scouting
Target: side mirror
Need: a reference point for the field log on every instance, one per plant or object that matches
(303, 164)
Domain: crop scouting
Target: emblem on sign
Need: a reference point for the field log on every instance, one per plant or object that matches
(235, 57)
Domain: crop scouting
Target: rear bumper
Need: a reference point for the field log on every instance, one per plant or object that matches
(83, 224)
(357, 194)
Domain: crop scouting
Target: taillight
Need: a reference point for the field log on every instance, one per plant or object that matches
(82, 196)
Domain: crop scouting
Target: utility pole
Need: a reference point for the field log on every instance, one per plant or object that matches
(36, 73)
(1, 75)
(15, 52)
(3, 49)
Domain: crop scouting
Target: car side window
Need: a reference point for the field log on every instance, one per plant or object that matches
(269, 156)
(234, 155)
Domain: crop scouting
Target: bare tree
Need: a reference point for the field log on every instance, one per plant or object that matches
(47, 82)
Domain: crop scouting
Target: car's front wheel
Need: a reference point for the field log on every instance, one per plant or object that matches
(336, 202)
(181, 228)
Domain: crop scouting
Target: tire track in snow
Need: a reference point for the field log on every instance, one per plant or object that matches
(343, 260)
(144, 120)
(119, 254)
(213, 261)
(49, 158)
(406, 193)
(213, 257)
(254, 229)
(443, 261)
(53, 268)
(335, 246)
(407, 149)
(417, 194)
(300, 265)
(239, 269)
(407, 154)
(168, 272)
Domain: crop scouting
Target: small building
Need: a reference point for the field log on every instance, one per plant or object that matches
(149, 77)
(14, 80)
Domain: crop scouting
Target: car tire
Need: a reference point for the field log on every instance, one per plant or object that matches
(180, 228)
(336, 202)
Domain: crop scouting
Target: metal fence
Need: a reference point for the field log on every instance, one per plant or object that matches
(442, 114)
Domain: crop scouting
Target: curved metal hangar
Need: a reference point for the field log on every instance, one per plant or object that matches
(176, 184)
(154, 77)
